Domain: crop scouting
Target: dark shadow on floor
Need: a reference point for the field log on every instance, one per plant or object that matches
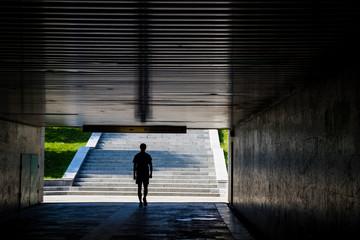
(117, 221)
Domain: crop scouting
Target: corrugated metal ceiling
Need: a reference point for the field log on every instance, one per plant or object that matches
(200, 64)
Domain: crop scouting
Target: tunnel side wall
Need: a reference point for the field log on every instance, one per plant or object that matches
(297, 164)
(16, 139)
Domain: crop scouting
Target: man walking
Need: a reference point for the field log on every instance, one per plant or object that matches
(142, 161)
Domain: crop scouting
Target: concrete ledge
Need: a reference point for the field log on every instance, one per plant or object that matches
(75, 164)
(219, 159)
(78, 160)
(214, 139)
(219, 162)
(220, 166)
(57, 182)
(93, 140)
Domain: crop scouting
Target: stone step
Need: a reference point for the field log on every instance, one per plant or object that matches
(132, 189)
(173, 155)
(155, 174)
(170, 136)
(156, 161)
(130, 180)
(130, 167)
(114, 159)
(164, 141)
(120, 147)
(154, 185)
(158, 158)
(165, 151)
(169, 161)
(159, 145)
(156, 165)
(118, 193)
(179, 160)
(163, 146)
(134, 151)
(155, 139)
(124, 171)
(164, 177)
(178, 157)
(163, 137)
(94, 166)
(156, 142)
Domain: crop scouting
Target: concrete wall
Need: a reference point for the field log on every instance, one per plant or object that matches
(16, 139)
(297, 164)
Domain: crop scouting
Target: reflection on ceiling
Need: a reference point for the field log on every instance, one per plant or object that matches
(199, 64)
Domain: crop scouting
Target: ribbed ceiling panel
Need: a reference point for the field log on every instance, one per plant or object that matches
(194, 63)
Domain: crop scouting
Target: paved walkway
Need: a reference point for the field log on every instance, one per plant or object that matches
(118, 220)
(116, 199)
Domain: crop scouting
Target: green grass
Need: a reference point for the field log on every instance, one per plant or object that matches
(61, 145)
(224, 143)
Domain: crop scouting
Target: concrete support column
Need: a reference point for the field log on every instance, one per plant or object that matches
(17, 139)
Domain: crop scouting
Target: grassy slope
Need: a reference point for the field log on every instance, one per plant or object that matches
(224, 143)
(61, 145)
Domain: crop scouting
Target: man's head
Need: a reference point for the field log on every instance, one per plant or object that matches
(143, 147)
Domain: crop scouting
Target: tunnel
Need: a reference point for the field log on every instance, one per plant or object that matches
(283, 76)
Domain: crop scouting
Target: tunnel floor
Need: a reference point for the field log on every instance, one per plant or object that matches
(124, 221)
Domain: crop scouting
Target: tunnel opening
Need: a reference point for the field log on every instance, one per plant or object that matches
(188, 166)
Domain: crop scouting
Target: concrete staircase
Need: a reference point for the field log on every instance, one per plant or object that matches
(183, 166)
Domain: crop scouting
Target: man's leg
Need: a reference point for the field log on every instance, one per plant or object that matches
(139, 193)
(145, 193)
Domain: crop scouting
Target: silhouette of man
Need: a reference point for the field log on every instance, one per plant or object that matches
(142, 161)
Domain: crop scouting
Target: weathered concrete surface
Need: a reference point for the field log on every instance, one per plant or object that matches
(16, 139)
(110, 221)
(297, 164)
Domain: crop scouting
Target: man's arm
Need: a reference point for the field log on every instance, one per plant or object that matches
(134, 168)
(151, 170)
